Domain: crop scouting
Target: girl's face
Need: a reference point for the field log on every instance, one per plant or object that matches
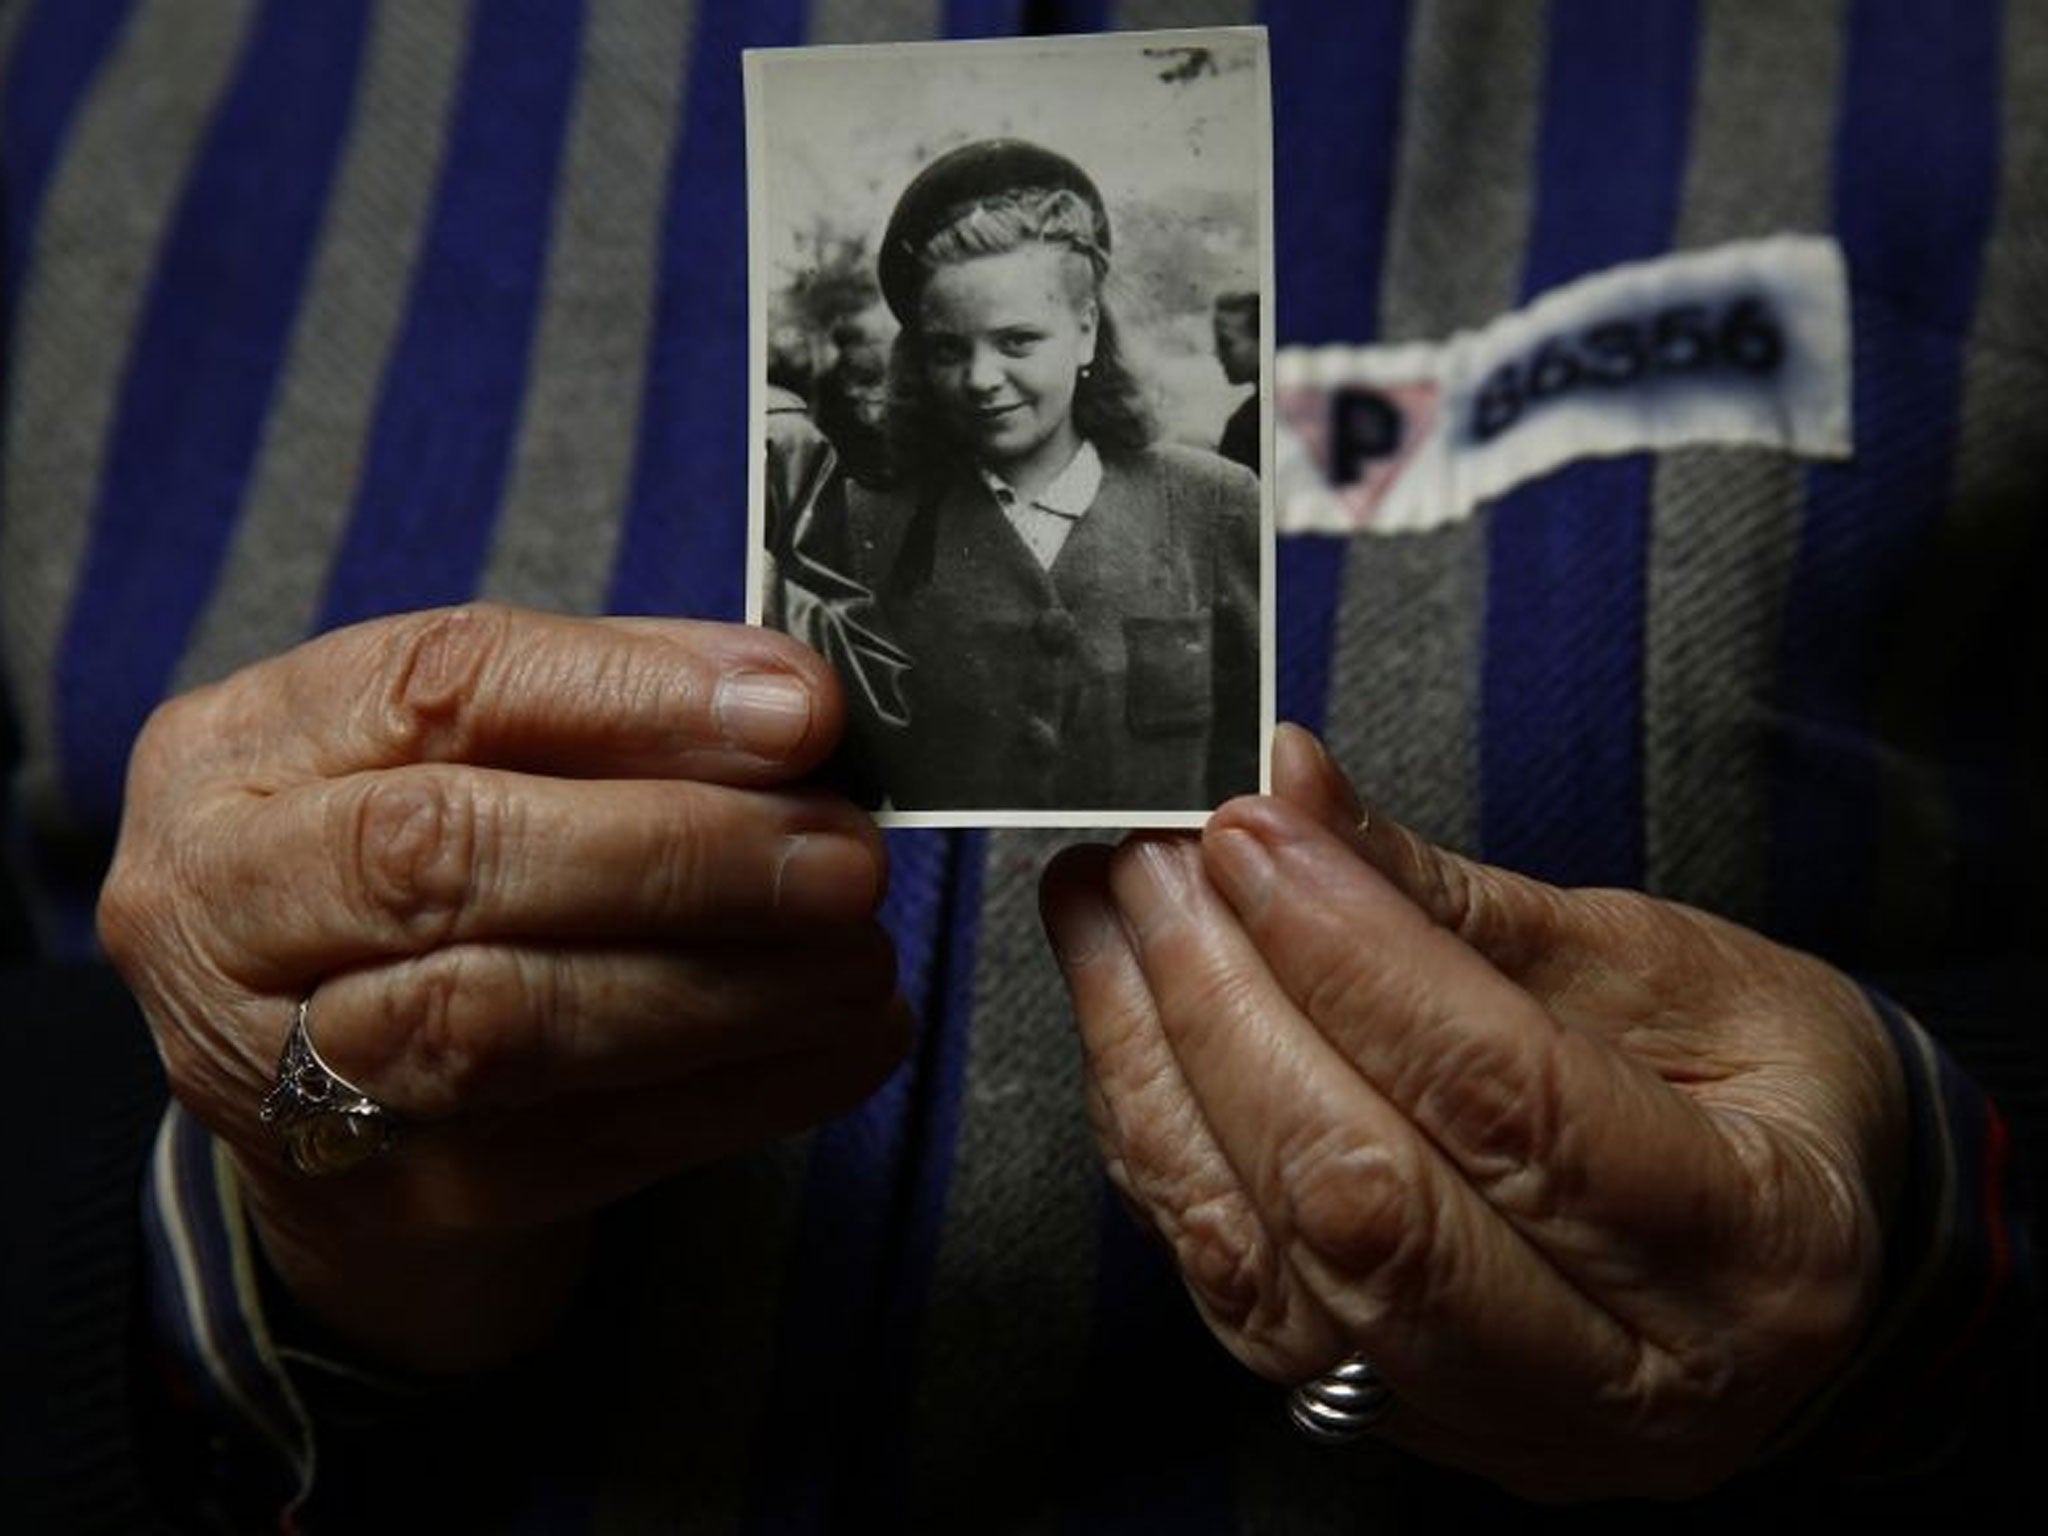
(1003, 340)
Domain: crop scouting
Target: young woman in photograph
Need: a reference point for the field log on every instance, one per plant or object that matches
(1079, 603)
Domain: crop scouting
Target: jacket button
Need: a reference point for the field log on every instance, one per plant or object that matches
(1057, 632)
(1041, 736)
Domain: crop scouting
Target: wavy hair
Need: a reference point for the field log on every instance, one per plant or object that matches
(1110, 408)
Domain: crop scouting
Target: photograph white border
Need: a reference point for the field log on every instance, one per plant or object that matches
(757, 396)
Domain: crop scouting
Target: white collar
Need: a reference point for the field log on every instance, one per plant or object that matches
(1071, 493)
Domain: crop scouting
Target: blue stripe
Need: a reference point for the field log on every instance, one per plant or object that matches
(840, 1257)
(1916, 177)
(60, 48)
(57, 54)
(213, 334)
(833, 1435)
(931, 1146)
(983, 18)
(683, 547)
(1308, 585)
(451, 399)
(1561, 789)
(1336, 115)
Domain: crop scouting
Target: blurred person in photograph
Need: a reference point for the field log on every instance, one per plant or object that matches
(853, 395)
(1237, 349)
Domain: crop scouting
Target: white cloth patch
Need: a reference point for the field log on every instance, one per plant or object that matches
(1747, 343)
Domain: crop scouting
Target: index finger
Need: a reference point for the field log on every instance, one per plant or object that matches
(1463, 1313)
(1554, 1127)
(538, 693)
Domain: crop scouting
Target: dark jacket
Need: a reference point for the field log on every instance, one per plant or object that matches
(1240, 441)
(1125, 678)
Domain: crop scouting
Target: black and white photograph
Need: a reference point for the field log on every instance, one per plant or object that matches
(1011, 404)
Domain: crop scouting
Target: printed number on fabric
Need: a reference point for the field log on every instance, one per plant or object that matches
(1684, 338)
(1745, 344)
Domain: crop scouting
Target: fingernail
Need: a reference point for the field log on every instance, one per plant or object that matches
(1165, 892)
(821, 874)
(1166, 861)
(766, 713)
(1340, 785)
(1243, 867)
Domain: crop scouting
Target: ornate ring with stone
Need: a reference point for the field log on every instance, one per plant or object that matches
(326, 1123)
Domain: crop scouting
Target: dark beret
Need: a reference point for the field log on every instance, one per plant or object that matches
(967, 175)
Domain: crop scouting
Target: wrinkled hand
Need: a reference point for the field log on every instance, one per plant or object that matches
(1597, 1181)
(554, 908)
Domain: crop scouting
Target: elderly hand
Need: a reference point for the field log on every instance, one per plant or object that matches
(1596, 1181)
(555, 906)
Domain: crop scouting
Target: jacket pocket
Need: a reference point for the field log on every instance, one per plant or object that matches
(1170, 668)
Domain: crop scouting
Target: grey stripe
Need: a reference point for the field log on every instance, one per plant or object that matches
(1762, 82)
(303, 484)
(1725, 522)
(1465, 187)
(1404, 677)
(682, 1383)
(572, 468)
(1404, 680)
(1013, 1288)
(1984, 556)
(875, 21)
(94, 250)
(704, 1296)
(1013, 1285)
(2012, 304)
(1163, 15)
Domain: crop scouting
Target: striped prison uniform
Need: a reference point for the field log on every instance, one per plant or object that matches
(314, 312)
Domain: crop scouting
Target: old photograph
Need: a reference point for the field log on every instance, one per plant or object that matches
(1011, 309)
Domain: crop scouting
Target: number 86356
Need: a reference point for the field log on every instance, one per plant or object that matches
(1682, 339)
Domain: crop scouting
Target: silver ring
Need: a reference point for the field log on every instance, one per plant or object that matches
(1342, 1404)
(326, 1123)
